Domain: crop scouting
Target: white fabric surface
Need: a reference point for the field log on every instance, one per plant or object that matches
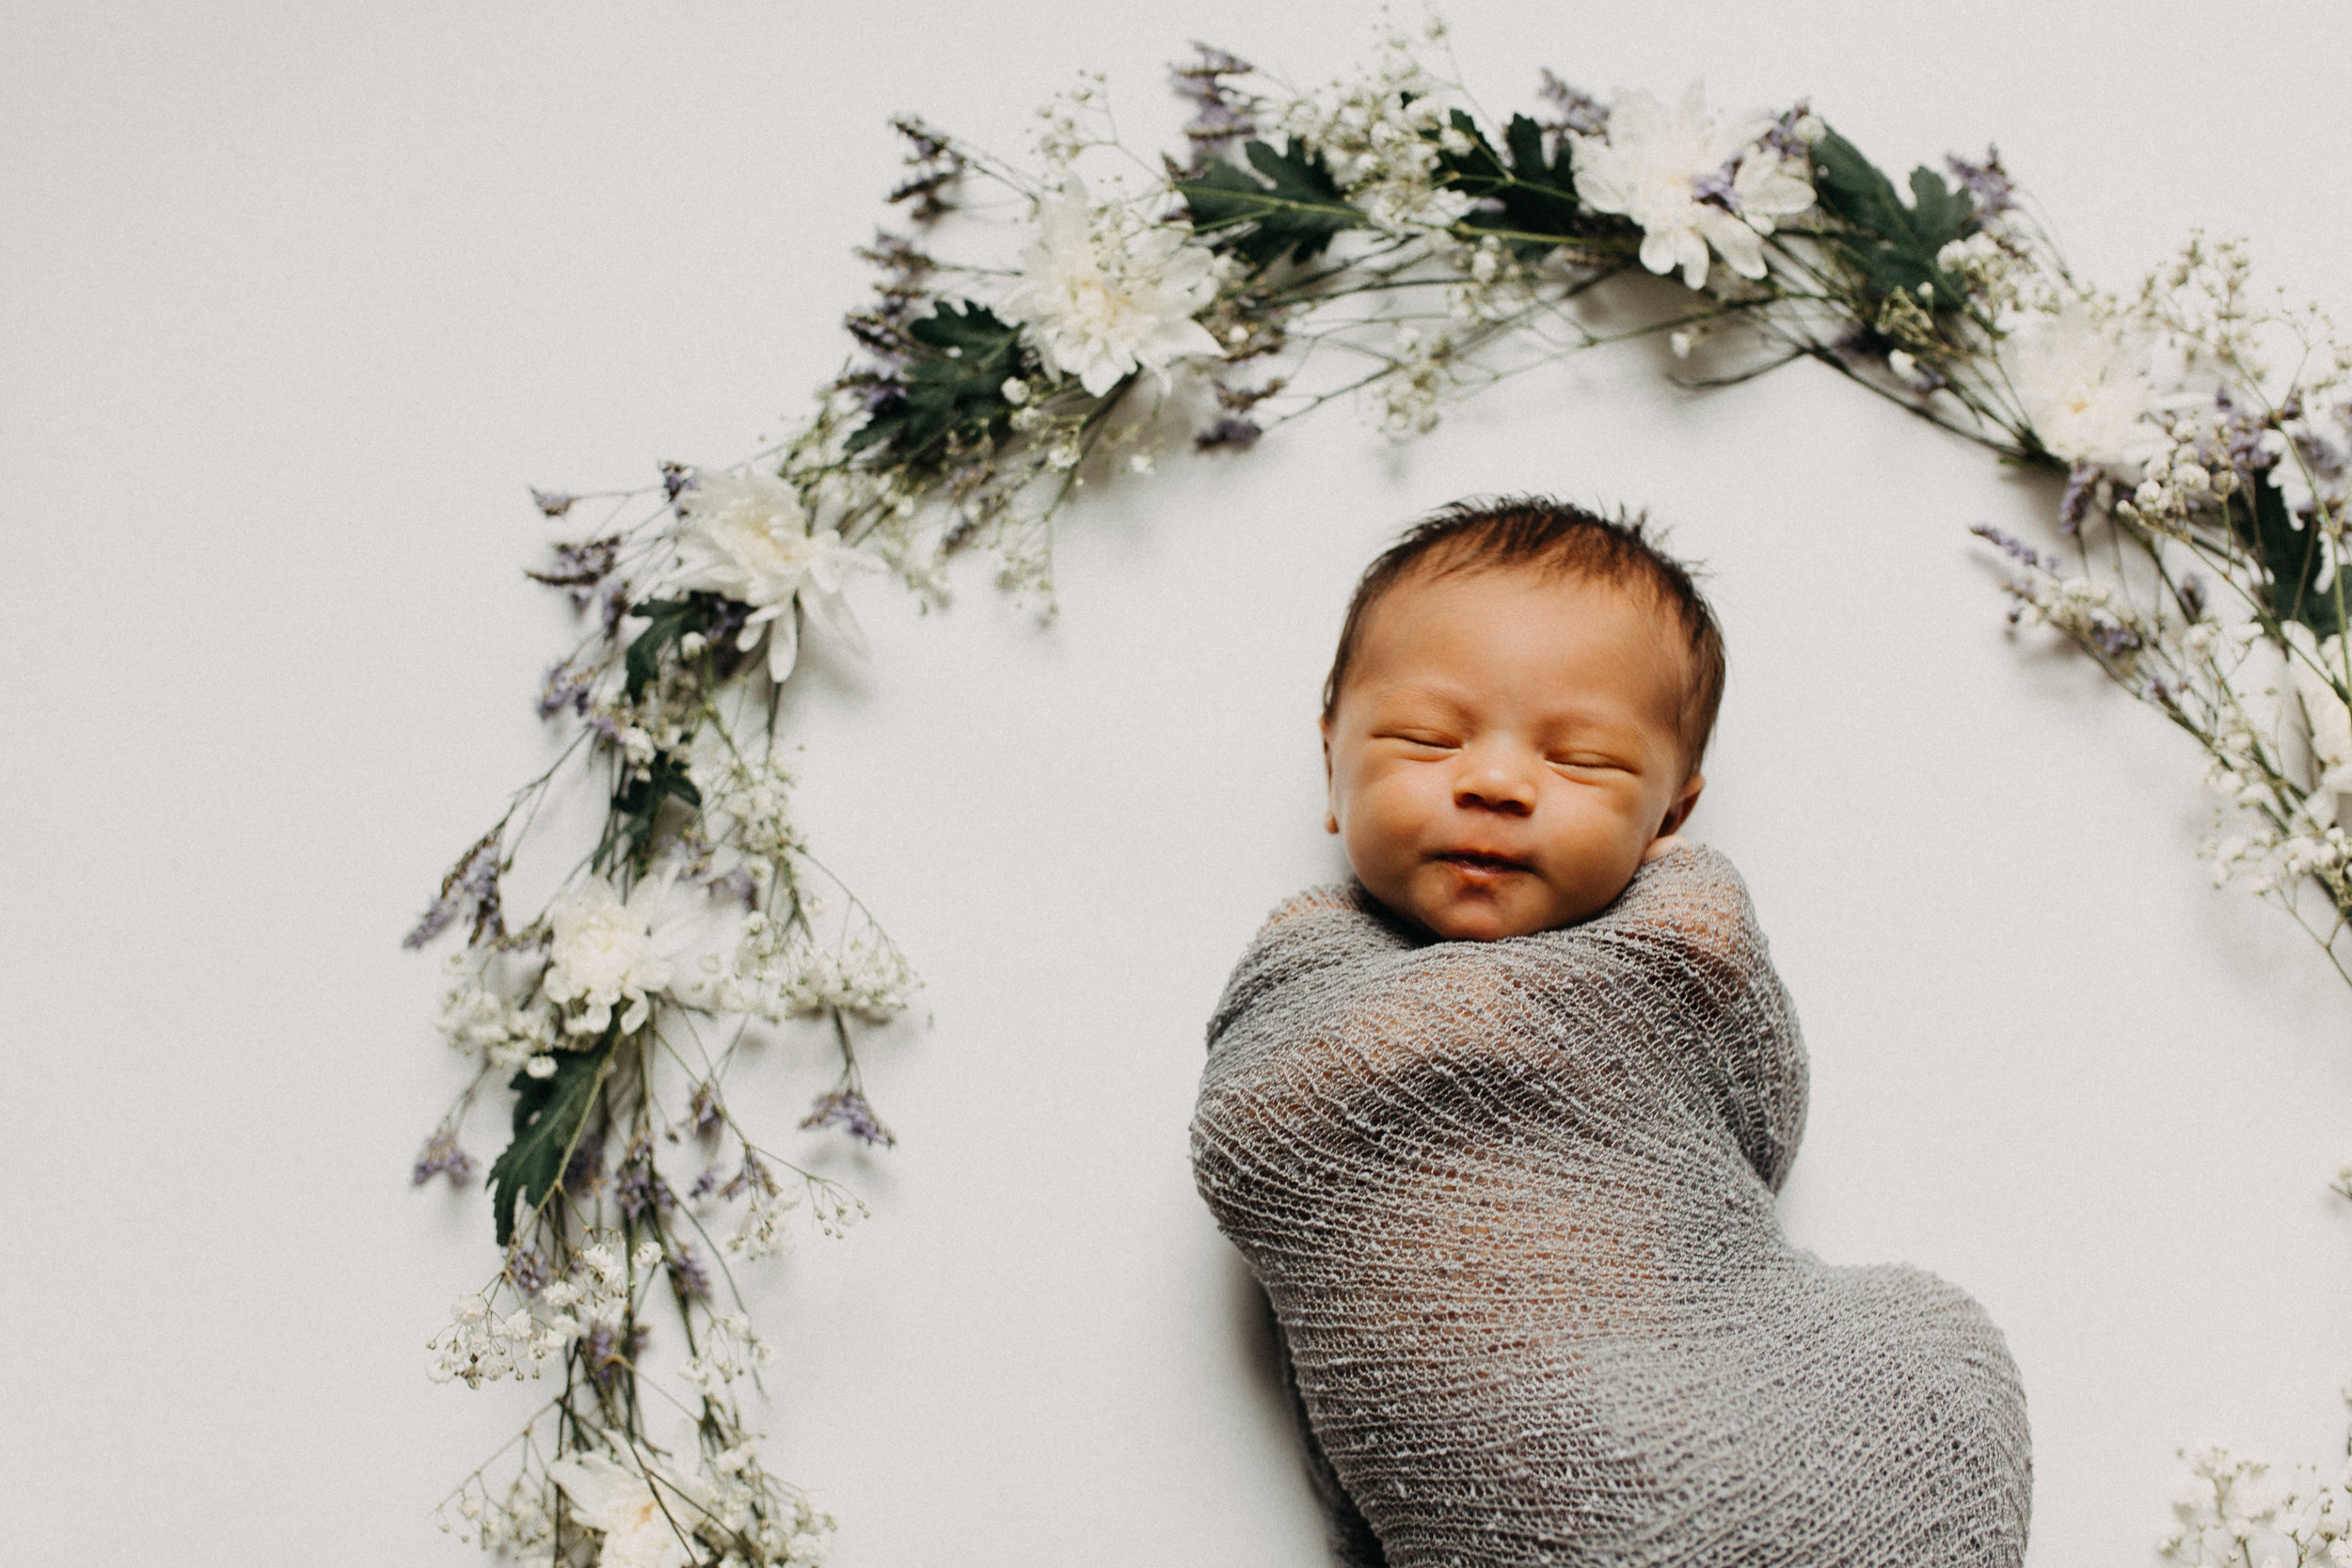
(294, 299)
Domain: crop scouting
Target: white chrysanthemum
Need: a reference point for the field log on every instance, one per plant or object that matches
(2324, 710)
(1652, 166)
(1103, 297)
(2085, 383)
(2305, 484)
(639, 1532)
(609, 951)
(747, 539)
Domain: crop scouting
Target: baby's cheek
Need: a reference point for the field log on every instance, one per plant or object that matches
(1387, 829)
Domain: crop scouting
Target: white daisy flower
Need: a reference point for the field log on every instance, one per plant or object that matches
(1103, 296)
(1656, 168)
(608, 951)
(641, 1530)
(746, 538)
(2085, 383)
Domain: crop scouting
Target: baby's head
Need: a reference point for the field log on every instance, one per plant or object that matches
(1521, 697)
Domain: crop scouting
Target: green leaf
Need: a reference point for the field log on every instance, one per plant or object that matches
(1293, 210)
(671, 619)
(1893, 245)
(1939, 214)
(958, 388)
(1535, 196)
(638, 802)
(549, 1115)
(2292, 557)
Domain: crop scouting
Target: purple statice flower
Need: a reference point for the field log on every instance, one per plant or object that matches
(677, 478)
(553, 503)
(2241, 438)
(1222, 115)
(2082, 488)
(1783, 138)
(1716, 188)
(433, 923)
(883, 336)
(1988, 182)
(1218, 125)
(527, 1270)
(754, 1176)
(1579, 111)
(615, 609)
(442, 1157)
(900, 291)
(905, 264)
(608, 1355)
(2115, 639)
(1238, 432)
(876, 392)
(637, 1186)
(565, 687)
(736, 886)
(925, 144)
(703, 1114)
(2012, 547)
(579, 568)
(847, 1110)
(2325, 459)
(726, 623)
(936, 164)
(884, 329)
(706, 1184)
(1212, 62)
(686, 1274)
(585, 1169)
(471, 883)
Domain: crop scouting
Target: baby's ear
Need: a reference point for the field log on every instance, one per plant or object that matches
(1679, 810)
(1330, 803)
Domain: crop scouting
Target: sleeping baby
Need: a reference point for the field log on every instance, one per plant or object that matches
(1499, 1123)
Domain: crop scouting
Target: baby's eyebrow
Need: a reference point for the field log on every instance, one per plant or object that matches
(1453, 699)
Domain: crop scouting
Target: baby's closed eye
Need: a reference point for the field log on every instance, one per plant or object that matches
(1589, 761)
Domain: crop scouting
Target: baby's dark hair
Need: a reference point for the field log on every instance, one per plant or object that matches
(1549, 536)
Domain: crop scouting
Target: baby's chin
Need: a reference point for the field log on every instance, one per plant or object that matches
(1445, 929)
(1456, 914)
(1482, 920)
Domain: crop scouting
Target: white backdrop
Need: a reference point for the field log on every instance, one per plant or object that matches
(295, 298)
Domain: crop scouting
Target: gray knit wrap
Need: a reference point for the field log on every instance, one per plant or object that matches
(1512, 1204)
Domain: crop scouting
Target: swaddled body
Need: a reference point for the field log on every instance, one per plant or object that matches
(1512, 1202)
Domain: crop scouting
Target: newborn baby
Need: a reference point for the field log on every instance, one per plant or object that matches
(1498, 1125)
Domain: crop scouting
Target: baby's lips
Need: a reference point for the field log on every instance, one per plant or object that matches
(1483, 859)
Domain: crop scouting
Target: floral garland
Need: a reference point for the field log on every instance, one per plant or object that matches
(1369, 240)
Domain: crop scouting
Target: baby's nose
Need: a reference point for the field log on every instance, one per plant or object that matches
(1493, 782)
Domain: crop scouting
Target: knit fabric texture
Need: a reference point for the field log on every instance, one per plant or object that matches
(1512, 1203)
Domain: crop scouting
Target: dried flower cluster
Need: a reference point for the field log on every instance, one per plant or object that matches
(1370, 240)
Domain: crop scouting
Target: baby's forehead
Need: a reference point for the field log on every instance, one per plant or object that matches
(1414, 618)
(1572, 587)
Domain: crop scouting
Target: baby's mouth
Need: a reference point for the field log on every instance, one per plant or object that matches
(1479, 861)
